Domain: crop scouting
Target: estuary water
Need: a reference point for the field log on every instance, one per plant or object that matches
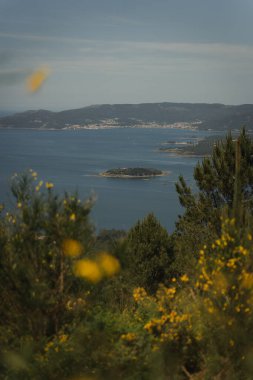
(72, 160)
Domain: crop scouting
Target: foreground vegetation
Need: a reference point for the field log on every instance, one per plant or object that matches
(141, 305)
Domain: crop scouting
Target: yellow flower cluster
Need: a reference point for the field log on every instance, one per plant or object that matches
(184, 278)
(57, 344)
(73, 304)
(225, 276)
(89, 270)
(72, 248)
(108, 264)
(94, 270)
(49, 185)
(166, 327)
(38, 187)
(129, 337)
(222, 294)
(246, 280)
(33, 174)
(72, 217)
(139, 294)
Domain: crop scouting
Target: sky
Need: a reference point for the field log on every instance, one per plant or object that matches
(126, 51)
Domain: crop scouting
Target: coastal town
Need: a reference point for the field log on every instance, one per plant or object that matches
(112, 123)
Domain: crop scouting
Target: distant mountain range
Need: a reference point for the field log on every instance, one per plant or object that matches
(184, 115)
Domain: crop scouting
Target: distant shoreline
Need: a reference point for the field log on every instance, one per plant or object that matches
(103, 127)
(179, 153)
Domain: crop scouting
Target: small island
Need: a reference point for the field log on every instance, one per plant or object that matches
(133, 173)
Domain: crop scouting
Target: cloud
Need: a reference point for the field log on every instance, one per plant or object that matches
(44, 38)
(186, 48)
(80, 55)
(12, 77)
(89, 45)
(5, 57)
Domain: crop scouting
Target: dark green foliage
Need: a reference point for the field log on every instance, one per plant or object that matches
(108, 239)
(215, 176)
(149, 253)
(36, 279)
(215, 180)
(132, 172)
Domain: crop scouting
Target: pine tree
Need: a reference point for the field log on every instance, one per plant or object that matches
(149, 253)
(36, 276)
(225, 182)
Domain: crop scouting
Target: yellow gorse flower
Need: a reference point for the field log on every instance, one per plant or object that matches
(104, 265)
(72, 217)
(109, 264)
(129, 337)
(36, 79)
(184, 278)
(247, 280)
(89, 270)
(49, 185)
(37, 188)
(139, 294)
(72, 248)
(63, 338)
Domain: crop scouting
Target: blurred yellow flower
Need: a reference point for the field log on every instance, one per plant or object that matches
(184, 278)
(72, 248)
(129, 337)
(36, 79)
(139, 294)
(63, 338)
(72, 217)
(220, 282)
(34, 174)
(109, 264)
(247, 280)
(49, 185)
(37, 188)
(89, 270)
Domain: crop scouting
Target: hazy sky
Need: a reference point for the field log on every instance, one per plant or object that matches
(126, 51)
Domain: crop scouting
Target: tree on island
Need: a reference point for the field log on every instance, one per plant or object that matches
(132, 172)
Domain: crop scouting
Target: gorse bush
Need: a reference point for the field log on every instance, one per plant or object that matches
(140, 305)
(205, 322)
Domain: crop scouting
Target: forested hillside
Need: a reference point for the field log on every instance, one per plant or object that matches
(138, 305)
(197, 115)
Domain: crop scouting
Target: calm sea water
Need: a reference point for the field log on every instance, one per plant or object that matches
(73, 160)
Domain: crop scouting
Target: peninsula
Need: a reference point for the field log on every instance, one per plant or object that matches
(133, 173)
